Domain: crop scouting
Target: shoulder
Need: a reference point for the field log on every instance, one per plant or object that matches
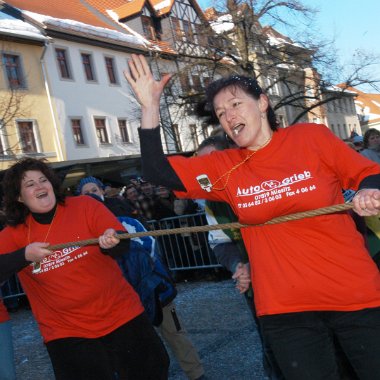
(307, 128)
(81, 202)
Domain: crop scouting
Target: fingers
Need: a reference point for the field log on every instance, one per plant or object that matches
(36, 252)
(242, 277)
(138, 67)
(109, 239)
(367, 202)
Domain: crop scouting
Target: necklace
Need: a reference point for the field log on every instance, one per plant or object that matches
(229, 172)
(37, 266)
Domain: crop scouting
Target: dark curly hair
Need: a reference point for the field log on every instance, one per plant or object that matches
(15, 211)
(370, 132)
(248, 85)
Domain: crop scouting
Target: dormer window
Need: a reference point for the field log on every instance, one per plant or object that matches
(148, 27)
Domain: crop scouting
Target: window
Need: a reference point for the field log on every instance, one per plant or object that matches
(12, 64)
(110, 67)
(205, 131)
(77, 131)
(3, 150)
(187, 29)
(88, 67)
(148, 28)
(101, 130)
(177, 137)
(197, 85)
(63, 64)
(201, 34)
(176, 27)
(185, 82)
(124, 131)
(27, 138)
(194, 135)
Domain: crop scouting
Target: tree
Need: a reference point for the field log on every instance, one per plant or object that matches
(11, 108)
(293, 71)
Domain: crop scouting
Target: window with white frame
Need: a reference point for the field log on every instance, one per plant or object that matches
(27, 136)
(194, 135)
(101, 130)
(177, 137)
(271, 86)
(123, 128)
(76, 127)
(13, 70)
(63, 63)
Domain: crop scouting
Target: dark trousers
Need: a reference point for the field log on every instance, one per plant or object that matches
(134, 351)
(303, 343)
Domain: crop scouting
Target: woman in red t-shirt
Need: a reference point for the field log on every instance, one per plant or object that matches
(313, 278)
(91, 319)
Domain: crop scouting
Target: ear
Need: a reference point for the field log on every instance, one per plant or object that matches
(263, 103)
(19, 199)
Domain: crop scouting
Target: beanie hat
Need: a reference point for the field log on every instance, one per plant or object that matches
(86, 180)
(357, 139)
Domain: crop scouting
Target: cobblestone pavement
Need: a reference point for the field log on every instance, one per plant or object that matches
(217, 320)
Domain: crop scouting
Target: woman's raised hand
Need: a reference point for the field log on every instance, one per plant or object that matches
(147, 90)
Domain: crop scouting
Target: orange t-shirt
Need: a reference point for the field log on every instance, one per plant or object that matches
(79, 291)
(4, 316)
(318, 263)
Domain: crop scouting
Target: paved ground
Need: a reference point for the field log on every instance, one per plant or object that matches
(218, 322)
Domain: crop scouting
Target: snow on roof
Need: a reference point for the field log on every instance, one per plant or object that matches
(222, 24)
(95, 31)
(162, 5)
(115, 17)
(12, 26)
(333, 88)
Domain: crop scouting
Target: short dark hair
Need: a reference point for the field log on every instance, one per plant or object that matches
(15, 211)
(246, 84)
(218, 141)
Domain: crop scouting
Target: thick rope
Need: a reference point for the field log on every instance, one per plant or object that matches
(225, 226)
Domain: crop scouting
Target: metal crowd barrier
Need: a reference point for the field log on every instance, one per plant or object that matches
(181, 252)
(188, 250)
(11, 288)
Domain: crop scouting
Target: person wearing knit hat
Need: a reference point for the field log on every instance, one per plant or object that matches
(91, 185)
(84, 182)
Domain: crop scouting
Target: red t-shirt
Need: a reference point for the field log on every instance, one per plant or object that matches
(318, 263)
(4, 316)
(79, 291)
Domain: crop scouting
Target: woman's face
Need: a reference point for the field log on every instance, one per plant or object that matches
(240, 115)
(37, 192)
(92, 188)
(374, 140)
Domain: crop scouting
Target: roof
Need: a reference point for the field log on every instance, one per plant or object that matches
(97, 19)
(133, 7)
(14, 27)
(369, 103)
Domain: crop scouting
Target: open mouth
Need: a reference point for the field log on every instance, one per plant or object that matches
(41, 195)
(237, 129)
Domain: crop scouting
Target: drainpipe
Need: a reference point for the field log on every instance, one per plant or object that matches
(58, 143)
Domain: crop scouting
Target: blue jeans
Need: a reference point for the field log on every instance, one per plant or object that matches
(303, 343)
(7, 368)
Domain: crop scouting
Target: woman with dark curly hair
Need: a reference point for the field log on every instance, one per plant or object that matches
(313, 277)
(371, 143)
(91, 319)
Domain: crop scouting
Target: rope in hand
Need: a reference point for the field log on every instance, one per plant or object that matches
(225, 226)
